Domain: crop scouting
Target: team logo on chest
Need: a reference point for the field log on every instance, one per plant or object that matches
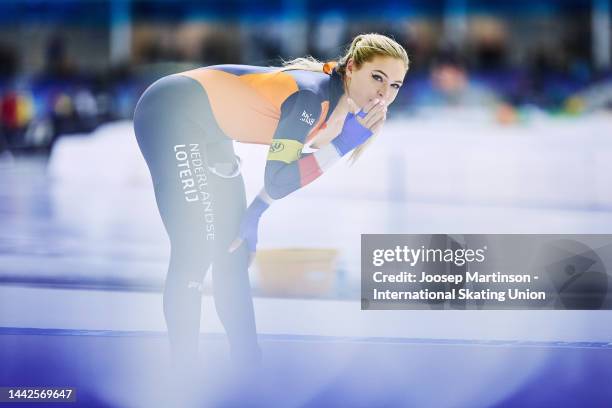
(307, 118)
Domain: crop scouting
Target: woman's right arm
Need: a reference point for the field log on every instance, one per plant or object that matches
(287, 168)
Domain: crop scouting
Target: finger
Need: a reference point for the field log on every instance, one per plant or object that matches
(371, 105)
(380, 108)
(375, 109)
(374, 117)
(378, 125)
(234, 245)
(361, 120)
(365, 119)
(366, 109)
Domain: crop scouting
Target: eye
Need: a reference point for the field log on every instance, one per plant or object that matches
(396, 86)
(377, 77)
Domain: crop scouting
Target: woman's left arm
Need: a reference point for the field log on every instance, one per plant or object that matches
(286, 168)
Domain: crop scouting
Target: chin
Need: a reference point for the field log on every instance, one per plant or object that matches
(363, 102)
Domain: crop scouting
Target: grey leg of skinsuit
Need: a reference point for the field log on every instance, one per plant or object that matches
(232, 290)
(171, 135)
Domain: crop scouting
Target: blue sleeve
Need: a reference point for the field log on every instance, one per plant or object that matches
(285, 165)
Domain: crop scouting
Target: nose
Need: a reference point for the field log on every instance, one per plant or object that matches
(383, 91)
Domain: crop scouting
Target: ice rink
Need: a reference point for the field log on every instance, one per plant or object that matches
(83, 256)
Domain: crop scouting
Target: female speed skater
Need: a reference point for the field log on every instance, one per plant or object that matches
(185, 125)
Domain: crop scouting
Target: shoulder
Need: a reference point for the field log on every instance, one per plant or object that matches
(303, 103)
(299, 113)
(313, 81)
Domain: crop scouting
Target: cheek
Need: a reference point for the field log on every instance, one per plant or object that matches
(362, 93)
(391, 98)
(370, 90)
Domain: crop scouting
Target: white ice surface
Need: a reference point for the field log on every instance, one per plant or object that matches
(440, 172)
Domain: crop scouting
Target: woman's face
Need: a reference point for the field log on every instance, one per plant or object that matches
(380, 78)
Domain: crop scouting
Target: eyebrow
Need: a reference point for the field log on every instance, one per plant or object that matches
(386, 76)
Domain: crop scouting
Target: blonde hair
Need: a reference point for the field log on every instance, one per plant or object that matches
(364, 48)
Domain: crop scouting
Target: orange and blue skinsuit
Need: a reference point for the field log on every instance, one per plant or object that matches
(185, 125)
(284, 110)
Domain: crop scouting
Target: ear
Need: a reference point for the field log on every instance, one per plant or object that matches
(350, 64)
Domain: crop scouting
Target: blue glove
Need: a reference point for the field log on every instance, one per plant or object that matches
(352, 135)
(250, 222)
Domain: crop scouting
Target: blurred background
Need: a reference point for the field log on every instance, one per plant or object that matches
(503, 125)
